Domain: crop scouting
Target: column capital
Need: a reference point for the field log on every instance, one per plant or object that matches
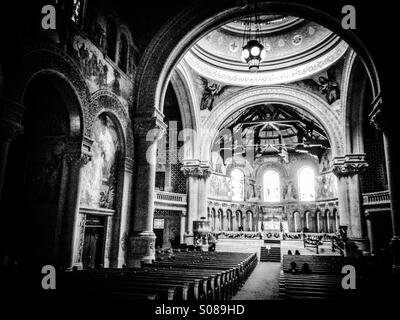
(349, 165)
(79, 152)
(77, 157)
(143, 123)
(196, 171)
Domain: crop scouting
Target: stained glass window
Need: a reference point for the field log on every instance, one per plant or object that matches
(271, 186)
(237, 185)
(306, 181)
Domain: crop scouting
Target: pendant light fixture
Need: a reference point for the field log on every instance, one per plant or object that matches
(253, 50)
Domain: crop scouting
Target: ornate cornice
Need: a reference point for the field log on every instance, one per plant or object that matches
(300, 69)
(78, 152)
(349, 165)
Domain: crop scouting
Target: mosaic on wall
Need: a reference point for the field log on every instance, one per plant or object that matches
(99, 176)
(99, 73)
(326, 186)
(220, 187)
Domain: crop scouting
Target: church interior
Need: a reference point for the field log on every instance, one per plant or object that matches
(234, 150)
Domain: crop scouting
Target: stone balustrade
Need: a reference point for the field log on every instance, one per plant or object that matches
(372, 198)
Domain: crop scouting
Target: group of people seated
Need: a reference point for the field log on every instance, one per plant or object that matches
(305, 268)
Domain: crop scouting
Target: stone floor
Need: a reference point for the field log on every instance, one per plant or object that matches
(263, 283)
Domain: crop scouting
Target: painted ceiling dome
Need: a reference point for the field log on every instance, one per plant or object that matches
(296, 49)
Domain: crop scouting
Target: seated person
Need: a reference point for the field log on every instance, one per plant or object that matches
(305, 268)
(293, 266)
(289, 252)
(297, 252)
(211, 242)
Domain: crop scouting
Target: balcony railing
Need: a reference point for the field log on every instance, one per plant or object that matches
(373, 198)
(170, 200)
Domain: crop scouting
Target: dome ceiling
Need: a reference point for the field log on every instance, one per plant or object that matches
(296, 49)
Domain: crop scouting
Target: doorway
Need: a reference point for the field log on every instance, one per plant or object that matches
(93, 246)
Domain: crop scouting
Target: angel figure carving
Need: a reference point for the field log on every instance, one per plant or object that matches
(210, 92)
(330, 89)
(326, 85)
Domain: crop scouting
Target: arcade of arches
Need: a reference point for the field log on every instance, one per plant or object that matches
(107, 155)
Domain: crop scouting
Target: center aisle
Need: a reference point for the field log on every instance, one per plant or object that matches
(263, 283)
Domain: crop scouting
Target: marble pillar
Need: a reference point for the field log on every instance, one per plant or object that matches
(348, 169)
(197, 175)
(385, 122)
(147, 131)
(371, 232)
(72, 223)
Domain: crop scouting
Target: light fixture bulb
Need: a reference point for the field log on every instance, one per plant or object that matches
(263, 54)
(255, 51)
(245, 54)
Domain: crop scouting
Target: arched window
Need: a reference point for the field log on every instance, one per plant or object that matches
(111, 39)
(237, 185)
(271, 186)
(123, 53)
(306, 181)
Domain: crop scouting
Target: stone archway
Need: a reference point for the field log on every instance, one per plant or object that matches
(157, 64)
(189, 25)
(294, 97)
(50, 150)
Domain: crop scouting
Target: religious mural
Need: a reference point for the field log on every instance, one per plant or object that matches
(220, 187)
(98, 72)
(289, 191)
(99, 176)
(325, 163)
(326, 186)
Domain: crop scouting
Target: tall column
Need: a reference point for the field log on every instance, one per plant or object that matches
(147, 131)
(71, 225)
(193, 198)
(122, 223)
(203, 197)
(385, 122)
(197, 175)
(347, 169)
(182, 227)
(371, 231)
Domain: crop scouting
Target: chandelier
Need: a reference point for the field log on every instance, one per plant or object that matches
(253, 50)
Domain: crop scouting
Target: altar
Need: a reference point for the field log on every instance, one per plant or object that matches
(271, 219)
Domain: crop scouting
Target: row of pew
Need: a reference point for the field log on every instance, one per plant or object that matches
(313, 277)
(192, 275)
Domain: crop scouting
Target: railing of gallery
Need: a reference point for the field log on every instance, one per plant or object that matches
(178, 198)
(381, 197)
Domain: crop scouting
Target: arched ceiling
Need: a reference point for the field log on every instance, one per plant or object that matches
(296, 50)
